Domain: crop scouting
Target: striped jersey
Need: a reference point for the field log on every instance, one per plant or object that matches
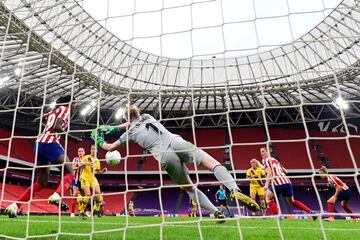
(334, 181)
(277, 170)
(49, 135)
(76, 164)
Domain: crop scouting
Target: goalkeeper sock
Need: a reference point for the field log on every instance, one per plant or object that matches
(348, 210)
(331, 209)
(65, 183)
(274, 209)
(263, 207)
(26, 195)
(199, 197)
(223, 175)
(301, 206)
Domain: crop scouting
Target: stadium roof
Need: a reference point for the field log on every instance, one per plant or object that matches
(56, 47)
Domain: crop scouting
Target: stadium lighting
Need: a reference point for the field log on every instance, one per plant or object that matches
(341, 103)
(93, 103)
(85, 110)
(119, 113)
(52, 104)
(4, 79)
(17, 72)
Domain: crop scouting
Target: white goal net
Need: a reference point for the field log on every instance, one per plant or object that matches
(228, 76)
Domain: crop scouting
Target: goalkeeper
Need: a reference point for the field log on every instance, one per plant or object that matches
(173, 152)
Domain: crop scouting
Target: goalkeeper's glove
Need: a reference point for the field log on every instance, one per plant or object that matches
(108, 129)
(98, 137)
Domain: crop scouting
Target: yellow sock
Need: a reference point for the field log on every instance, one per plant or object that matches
(98, 201)
(263, 207)
(79, 202)
(85, 201)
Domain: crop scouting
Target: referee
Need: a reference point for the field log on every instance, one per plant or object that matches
(220, 196)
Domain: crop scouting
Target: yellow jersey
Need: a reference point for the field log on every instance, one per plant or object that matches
(259, 172)
(88, 170)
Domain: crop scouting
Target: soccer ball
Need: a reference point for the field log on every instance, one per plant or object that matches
(113, 157)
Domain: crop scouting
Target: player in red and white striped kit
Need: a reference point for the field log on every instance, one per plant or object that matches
(283, 186)
(342, 194)
(49, 151)
(75, 184)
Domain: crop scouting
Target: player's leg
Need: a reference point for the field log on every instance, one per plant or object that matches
(179, 173)
(226, 206)
(83, 201)
(42, 180)
(190, 154)
(262, 204)
(270, 198)
(223, 176)
(75, 193)
(288, 193)
(330, 206)
(344, 197)
(56, 155)
(98, 198)
(253, 197)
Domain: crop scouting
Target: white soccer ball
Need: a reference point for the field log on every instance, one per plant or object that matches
(113, 157)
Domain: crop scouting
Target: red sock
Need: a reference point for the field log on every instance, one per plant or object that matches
(65, 183)
(25, 196)
(330, 209)
(301, 206)
(73, 204)
(274, 209)
(348, 210)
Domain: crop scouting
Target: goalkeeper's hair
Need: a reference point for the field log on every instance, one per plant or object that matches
(131, 111)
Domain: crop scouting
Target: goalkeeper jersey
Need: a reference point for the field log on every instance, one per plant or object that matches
(149, 134)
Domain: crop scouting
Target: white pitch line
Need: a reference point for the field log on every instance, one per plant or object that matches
(179, 224)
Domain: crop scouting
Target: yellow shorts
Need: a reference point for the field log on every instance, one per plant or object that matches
(257, 190)
(89, 183)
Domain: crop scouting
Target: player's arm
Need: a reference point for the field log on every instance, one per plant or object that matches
(268, 178)
(248, 174)
(98, 170)
(111, 146)
(75, 164)
(216, 196)
(284, 169)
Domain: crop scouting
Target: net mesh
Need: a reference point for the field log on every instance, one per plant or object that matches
(235, 77)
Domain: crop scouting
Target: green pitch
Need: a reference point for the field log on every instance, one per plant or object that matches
(175, 228)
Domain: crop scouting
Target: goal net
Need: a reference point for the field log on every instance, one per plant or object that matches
(228, 76)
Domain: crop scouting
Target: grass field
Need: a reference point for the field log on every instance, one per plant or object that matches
(175, 228)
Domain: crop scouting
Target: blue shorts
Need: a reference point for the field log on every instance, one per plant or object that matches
(75, 183)
(48, 152)
(344, 195)
(286, 190)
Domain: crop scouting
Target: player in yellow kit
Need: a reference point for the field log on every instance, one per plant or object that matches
(90, 165)
(255, 173)
(131, 209)
(193, 208)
